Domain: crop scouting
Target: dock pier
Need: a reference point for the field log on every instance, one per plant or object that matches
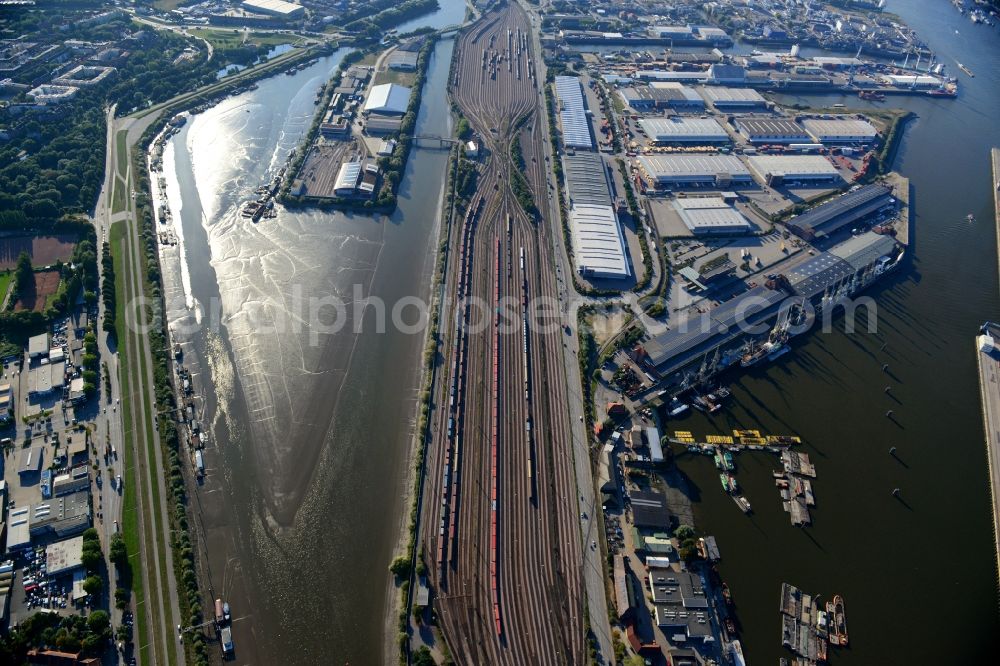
(995, 184)
(988, 363)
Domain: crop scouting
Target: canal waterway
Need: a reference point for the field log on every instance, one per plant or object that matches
(308, 426)
(917, 573)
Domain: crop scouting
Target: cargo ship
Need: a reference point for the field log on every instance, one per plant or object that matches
(743, 503)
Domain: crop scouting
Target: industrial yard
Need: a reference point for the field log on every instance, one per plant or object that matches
(501, 541)
(770, 219)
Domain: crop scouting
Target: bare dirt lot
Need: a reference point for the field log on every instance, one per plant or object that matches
(44, 250)
(46, 284)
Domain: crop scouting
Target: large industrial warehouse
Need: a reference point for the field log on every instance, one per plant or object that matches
(573, 113)
(840, 130)
(726, 99)
(684, 130)
(783, 169)
(705, 216)
(850, 208)
(388, 99)
(772, 130)
(695, 170)
(661, 95)
(278, 8)
(725, 328)
(586, 180)
(598, 244)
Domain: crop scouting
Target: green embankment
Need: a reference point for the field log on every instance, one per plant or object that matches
(130, 517)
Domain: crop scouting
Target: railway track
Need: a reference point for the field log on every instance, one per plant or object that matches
(501, 528)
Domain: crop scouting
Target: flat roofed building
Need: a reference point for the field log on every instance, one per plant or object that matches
(862, 252)
(682, 169)
(724, 74)
(275, 8)
(912, 81)
(672, 31)
(62, 516)
(772, 130)
(388, 99)
(586, 180)
(714, 35)
(662, 95)
(849, 208)
(622, 604)
(404, 61)
(815, 275)
(733, 98)
(671, 75)
(573, 120)
(679, 129)
(779, 169)
(598, 244)
(710, 215)
(375, 125)
(64, 556)
(655, 446)
(73, 481)
(840, 130)
(43, 379)
(31, 461)
(680, 605)
(689, 339)
(38, 345)
(649, 509)
(347, 178)
(18, 533)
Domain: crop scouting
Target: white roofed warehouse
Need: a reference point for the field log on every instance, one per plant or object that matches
(842, 129)
(288, 10)
(598, 244)
(388, 99)
(694, 170)
(777, 170)
(573, 120)
(772, 130)
(347, 179)
(733, 98)
(704, 216)
(699, 131)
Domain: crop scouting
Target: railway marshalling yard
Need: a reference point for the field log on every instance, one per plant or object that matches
(501, 539)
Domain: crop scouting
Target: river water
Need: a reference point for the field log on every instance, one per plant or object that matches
(918, 573)
(309, 434)
(309, 427)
